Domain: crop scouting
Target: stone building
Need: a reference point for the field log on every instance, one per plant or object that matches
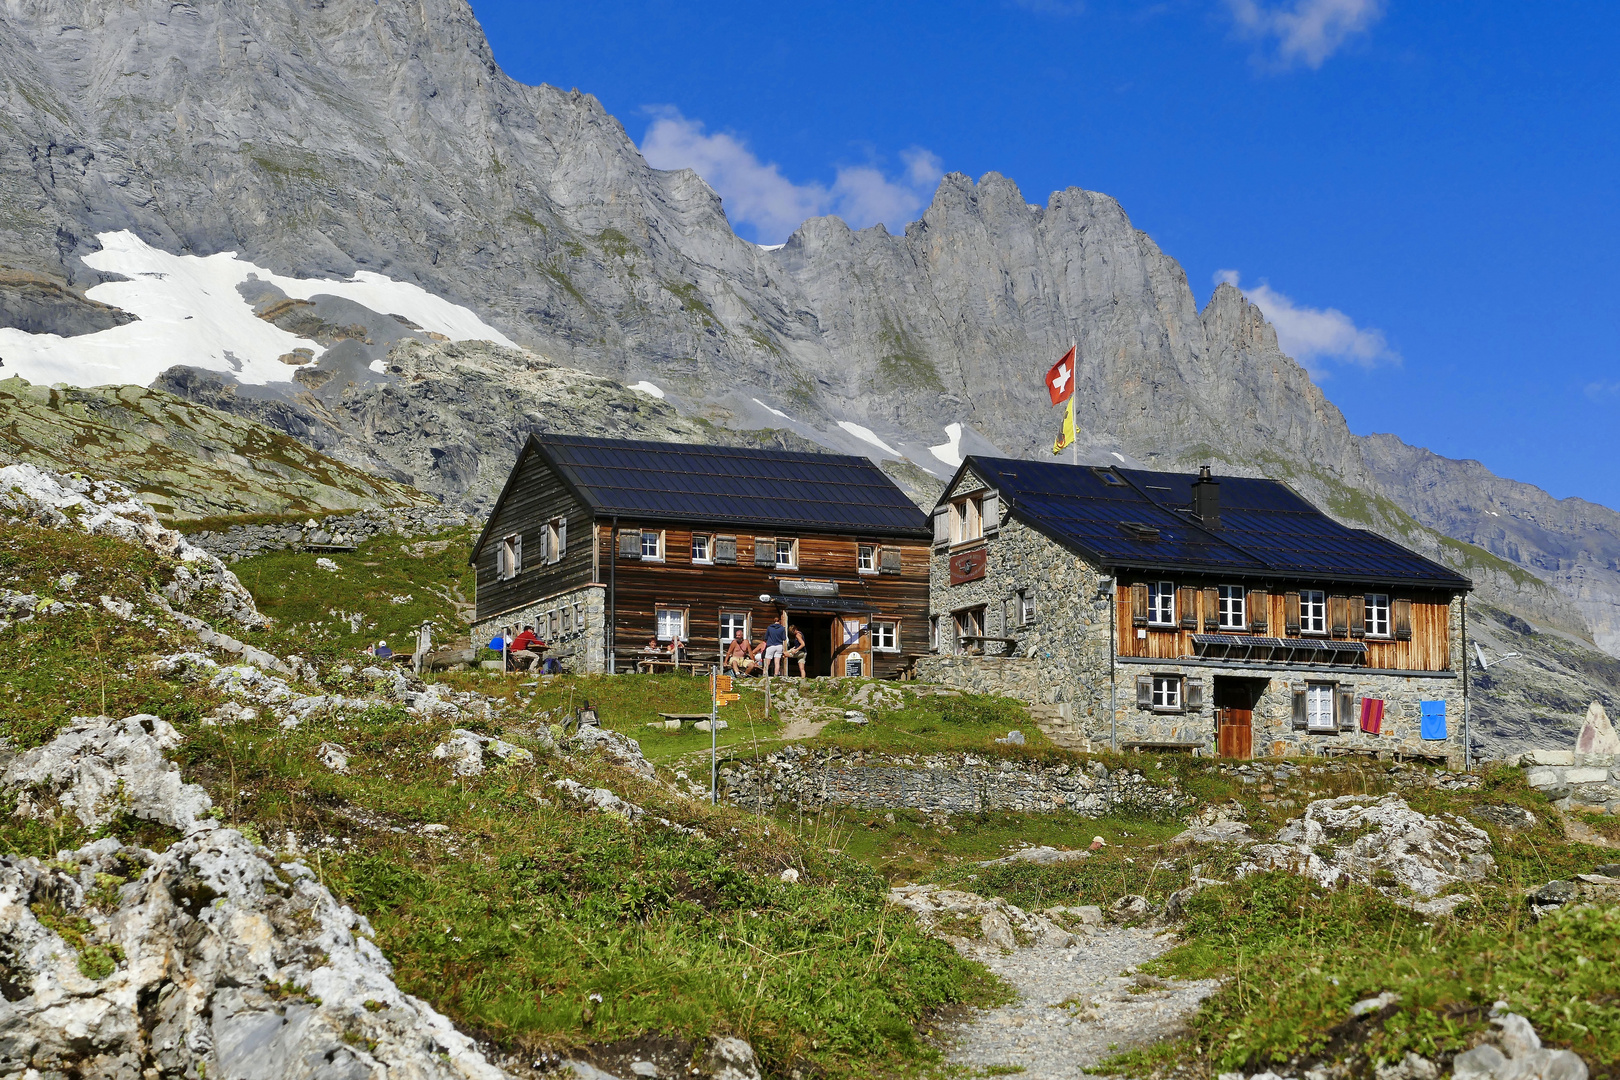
(1164, 610)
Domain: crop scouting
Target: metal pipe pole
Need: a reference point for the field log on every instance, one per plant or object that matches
(613, 596)
(1468, 744)
(714, 740)
(1113, 665)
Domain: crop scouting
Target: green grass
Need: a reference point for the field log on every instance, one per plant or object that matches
(533, 906)
(393, 582)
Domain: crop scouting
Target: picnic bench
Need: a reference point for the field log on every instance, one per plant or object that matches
(645, 662)
(1352, 751)
(905, 666)
(679, 718)
(1168, 747)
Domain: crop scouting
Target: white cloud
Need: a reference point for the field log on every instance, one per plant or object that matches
(770, 205)
(1311, 335)
(1598, 390)
(1305, 31)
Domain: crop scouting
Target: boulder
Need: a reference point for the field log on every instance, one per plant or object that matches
(1597, 734)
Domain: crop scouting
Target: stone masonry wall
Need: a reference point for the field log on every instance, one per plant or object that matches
(1574, 780)
(244, 541)
(583, 646)
(1062, 661)
(952, 783)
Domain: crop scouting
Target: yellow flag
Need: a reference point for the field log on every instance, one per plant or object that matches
(1066, 436)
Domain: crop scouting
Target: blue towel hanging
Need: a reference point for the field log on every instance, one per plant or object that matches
(1434, 720)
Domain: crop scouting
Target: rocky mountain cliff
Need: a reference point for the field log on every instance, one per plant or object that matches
(325, 137)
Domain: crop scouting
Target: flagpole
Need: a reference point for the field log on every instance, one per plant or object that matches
(1074, 447)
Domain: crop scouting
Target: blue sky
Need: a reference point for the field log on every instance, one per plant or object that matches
(1423, 197)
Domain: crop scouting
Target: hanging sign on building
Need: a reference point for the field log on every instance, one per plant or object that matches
(967, 566)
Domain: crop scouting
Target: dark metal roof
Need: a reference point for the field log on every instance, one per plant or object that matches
(1266, 529)
(730, 485)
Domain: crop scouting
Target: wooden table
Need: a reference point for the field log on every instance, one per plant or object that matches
(679, 718)
(1351, 751)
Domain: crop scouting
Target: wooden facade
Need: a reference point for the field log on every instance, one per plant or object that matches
(705, 592)
(549, 540)
(1419, 637)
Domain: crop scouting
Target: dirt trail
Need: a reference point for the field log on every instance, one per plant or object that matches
(1075, 1005)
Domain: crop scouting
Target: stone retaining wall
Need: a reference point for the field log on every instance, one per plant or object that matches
(950, 783)
(1573, 780)
(244, 541)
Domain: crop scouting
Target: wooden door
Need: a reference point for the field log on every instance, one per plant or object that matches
(1234, 735)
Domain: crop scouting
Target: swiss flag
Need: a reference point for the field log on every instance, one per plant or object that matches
(1060, 380)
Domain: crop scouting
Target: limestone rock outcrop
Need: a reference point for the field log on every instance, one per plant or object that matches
(1382, 842)
(206, 958)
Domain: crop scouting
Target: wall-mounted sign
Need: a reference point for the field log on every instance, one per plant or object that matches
(800, 587)
(967, 566)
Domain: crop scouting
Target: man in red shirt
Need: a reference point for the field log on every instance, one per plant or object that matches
(519, 653)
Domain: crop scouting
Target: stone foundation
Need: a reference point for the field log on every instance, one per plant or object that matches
(807, 779)
(583, 647)
(1575, 781)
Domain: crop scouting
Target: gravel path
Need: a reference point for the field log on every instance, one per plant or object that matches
(1075, 1006)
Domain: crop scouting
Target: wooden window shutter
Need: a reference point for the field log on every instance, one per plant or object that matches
(1339, 615)
(1144, 691)
(517, 555)
(1139, 604)
(562, 538)
(889, 560)
(942, 526)
(1291, 614)
(1259, 610)
(1345, 707)
(629, 543)
(764, 551)
(725, 550)
(1358, 616)
(1185, 600)
(1403, 620)
(1194, 695)
(1300, 723)
(1212, 611)
(992, 513)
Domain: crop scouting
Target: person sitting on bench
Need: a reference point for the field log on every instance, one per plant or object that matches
(740, 657)
(519, 655)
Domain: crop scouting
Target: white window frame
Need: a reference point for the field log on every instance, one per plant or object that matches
(728, 628)
(657, 538)
(1234, 607)
(1313, 612)
(707, 543)
(1379, 615)
(791, 550)
(1026, 607)
(1167, 694)
(1319, 696)
(660, 616)
(885, 635)
(866, 558)
(1161, 603)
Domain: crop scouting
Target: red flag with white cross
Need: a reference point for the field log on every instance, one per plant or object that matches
(1060, 380)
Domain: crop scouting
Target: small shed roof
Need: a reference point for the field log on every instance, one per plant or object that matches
(1142, 519)
(728, 486)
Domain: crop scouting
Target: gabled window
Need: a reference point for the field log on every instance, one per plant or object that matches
(967, 520)
(1161, 603)
(1312, 611)
(509, 557)
(1233, 607)
(1378, 615)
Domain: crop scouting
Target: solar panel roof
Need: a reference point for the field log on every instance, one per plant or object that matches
(739, 486)
(1266, 528)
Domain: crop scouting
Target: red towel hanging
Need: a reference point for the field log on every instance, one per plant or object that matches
(1372, 715)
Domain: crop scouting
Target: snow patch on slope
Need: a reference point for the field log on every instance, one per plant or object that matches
(649, 389)
(190, 312)
(866, 434)
(950, 451)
